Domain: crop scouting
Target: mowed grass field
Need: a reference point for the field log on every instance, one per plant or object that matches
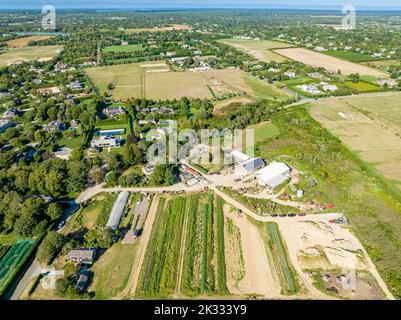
(317, 59)
(113, 269)
(153, 81)
(259, 49)
(22, 42)
(14, 55)
(369, 126)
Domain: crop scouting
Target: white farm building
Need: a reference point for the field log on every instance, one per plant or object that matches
(117, 211)
(274, 174)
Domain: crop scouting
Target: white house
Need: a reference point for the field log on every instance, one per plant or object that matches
(274, 174)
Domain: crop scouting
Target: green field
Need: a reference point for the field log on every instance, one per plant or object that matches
(277, 254)
(14, 55)
(264, 130)
(126, 48)
(148, 79)
(159, 272)
(259, 49)
(361, 87)
(110, 124)
(349, 56)
(8, 239)
(94, 213)
(12, 261)
(113, 269)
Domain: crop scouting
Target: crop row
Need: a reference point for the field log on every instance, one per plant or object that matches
(274, 243)
(192, 253)
(159, 271)
(207, 270)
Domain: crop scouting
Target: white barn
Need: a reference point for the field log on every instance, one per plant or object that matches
(274, 174)
(248, 167)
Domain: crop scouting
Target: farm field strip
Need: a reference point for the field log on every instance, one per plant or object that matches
(276, 249)
(159, 271)
(22, 42)
(317, 59)
(12, 260)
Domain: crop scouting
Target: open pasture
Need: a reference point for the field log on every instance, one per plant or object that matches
(22, 42)
(349, 55)
(154, 81)
(16, 55)
(370, 126)
(317, 59)
(259, 49)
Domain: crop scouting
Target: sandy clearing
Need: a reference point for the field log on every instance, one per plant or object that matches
(317, 59)
(339, 244)
(258, 277)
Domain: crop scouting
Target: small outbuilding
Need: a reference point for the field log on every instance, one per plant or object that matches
(117, 211)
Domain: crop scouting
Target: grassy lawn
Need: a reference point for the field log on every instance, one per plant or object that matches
(69, 142)
(126, 48)
(112, 270)
(95, 213)
(349, 56)
(361, 86)
(264, 130)
(265, 90)
(8, 239)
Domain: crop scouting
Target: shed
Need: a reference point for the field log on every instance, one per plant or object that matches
(274, 174)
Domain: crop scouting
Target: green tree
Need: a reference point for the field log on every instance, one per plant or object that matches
(50, 247)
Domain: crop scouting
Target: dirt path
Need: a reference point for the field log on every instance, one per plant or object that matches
(144, 239)
(258, 277)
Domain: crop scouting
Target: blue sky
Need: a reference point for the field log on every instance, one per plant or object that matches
(141, 4)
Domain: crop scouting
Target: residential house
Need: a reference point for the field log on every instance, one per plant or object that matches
(105, 142)
(114, 112)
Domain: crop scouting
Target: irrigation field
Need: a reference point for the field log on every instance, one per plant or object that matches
(11, 260)
(185, 254)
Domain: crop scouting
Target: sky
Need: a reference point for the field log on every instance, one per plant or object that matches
(149, 4)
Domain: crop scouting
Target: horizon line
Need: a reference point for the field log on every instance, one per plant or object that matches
(214, 7)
